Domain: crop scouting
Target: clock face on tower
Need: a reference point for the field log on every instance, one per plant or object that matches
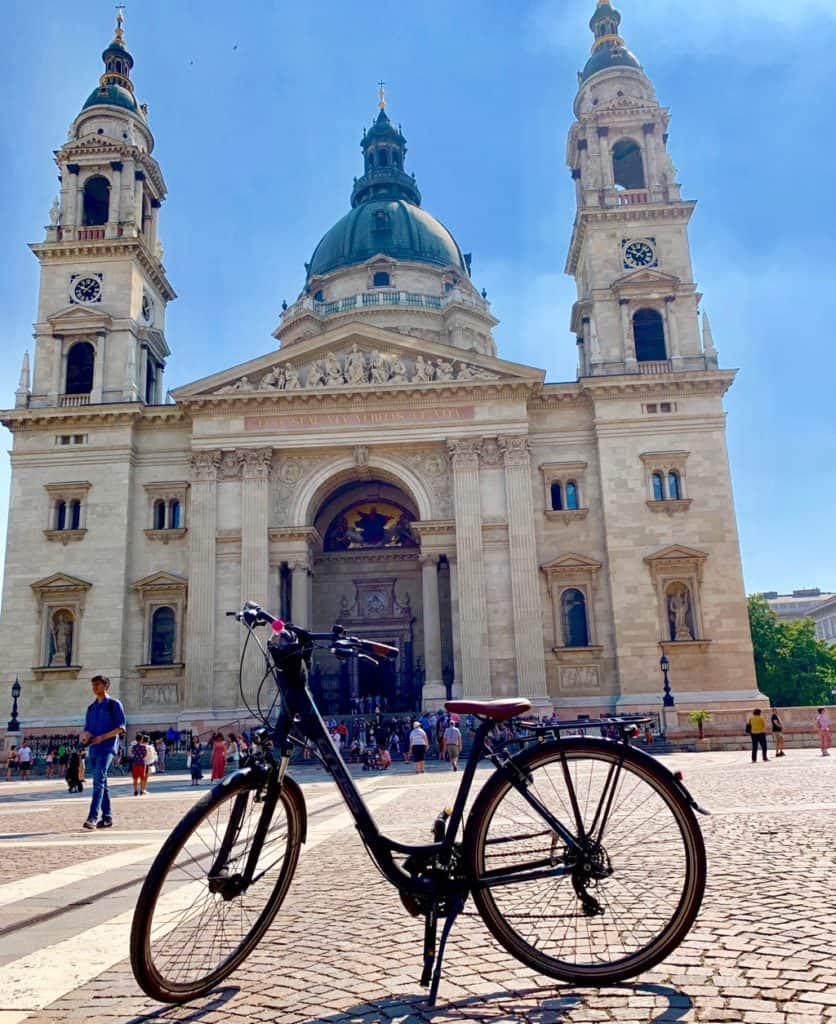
(87, 289)
(639, 252)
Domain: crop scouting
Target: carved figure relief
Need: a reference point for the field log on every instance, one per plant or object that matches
(679, 612)
(357, 368)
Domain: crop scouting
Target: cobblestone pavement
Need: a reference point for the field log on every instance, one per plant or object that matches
(342, 949)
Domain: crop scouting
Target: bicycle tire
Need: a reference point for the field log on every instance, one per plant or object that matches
(527, 917)
(159, 946)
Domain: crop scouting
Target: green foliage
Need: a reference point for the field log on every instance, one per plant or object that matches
(792, 666)
(699, 718)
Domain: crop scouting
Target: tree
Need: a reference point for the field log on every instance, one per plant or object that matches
(793, 668)
(699, 718)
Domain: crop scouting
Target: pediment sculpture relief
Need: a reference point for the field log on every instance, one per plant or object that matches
(358, 368)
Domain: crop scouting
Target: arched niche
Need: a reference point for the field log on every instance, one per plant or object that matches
(96, 201)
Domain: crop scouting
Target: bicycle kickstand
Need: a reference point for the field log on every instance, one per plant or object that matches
(430, 927)
(456, 907)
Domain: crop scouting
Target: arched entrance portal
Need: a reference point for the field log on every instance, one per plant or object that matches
(368, 578)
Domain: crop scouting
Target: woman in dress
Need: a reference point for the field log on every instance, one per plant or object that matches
(218, 756)
(195, 767)
(233, 752)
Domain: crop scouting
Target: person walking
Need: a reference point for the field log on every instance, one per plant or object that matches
(233, 752)
(418, 744)
(218, 757)
(11, 762)
(823, 726)
(137, 755)
(104, 723)
(159, 746)
(756, 727)
(778, 733)
(24, 760)
(193, 758)
(150, 761)
(50, 762)
(452, 744)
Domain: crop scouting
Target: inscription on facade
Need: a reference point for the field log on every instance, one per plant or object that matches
(370, 418)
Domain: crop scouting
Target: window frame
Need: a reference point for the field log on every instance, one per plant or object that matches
(562, 474)
(53, 594)
(72, 496)
(163, 495)
(162, 590)
(662, 465)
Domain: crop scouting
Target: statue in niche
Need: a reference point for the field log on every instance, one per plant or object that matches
(346, 607)
(317, 377)
(355, 366)
(291, 378)
(273, 379)
(464, 372)
(444, 370)
(679, 613)
(397, 371)
(61, 633)
(379, 368)
(423, 371)
(333, 370)
(55, 212)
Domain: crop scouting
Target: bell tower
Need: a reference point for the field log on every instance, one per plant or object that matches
(100, 330)
(637, 307)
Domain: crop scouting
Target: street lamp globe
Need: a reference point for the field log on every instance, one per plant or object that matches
(16, 689)
(664, 663)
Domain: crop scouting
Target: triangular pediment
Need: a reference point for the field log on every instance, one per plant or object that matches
(59, 582)
(571, 562)
(161, 580)
(358, 356)
(646, 279)
(73, 319)
(677, 553)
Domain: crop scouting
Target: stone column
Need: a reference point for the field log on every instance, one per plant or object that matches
(200, 625)
(525, 587)
(255, 503)
(456, 625)
(473, 614)
(115, 213)
(300, 592)
(627, 334)
(433, 693)
(672, 332)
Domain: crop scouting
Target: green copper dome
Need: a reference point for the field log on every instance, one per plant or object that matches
(112, 95)
(386, 215)
(395, 227)
(608, 49)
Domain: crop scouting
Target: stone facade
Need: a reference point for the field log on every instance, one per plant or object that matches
(382, 468)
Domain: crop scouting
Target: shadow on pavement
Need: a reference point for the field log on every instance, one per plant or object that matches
(185, 1014)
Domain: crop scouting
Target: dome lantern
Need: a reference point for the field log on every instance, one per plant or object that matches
(608, 47)
(384, 152)
(115, 86)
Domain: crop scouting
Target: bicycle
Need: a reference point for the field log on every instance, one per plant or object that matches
(583, 855)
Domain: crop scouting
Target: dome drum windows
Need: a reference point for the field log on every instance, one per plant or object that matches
(167, 510)
(665, 481)
(67, 515)
(564, 490)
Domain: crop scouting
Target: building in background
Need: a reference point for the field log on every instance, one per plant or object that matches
(382, 466)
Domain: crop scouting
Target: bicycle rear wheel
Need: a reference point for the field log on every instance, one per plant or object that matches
(615, 911)
(194, 923)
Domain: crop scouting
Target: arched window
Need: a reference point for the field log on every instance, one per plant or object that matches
(575, 630)
(319, 296)
(60, 515)
(571, 494)
(380, 279)
(174, 515)
(96, 201)
(370, 158)
(75, 514)
(627, 167)
(162, 636)
(382, 158)
(159, 515)
(80, 360)
(674, 488)
(658, 487)
(557, 497)
(649, 335)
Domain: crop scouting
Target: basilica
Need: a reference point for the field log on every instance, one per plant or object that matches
(380, 465)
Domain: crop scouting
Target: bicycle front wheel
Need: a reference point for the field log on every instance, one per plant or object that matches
(618, 907)
(215, 886)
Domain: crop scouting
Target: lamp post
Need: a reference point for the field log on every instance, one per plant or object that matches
(667, 696)
(14, 724)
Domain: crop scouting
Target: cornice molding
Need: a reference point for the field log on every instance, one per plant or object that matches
(107, 248)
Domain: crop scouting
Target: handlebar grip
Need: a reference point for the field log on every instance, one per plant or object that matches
(379, 649)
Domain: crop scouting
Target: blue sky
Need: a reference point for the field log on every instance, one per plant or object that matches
(258, 109)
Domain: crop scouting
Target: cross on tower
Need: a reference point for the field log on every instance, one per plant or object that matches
(381, 92)
(120, 16)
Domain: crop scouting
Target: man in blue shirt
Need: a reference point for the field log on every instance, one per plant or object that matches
(103, 725)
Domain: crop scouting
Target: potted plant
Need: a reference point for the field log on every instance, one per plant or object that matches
(699, 718)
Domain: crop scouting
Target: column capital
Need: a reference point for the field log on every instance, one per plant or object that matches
(465, 453)
(427, 558)
(300, 565)
(515, 449)
(256, 462)
(204, 466)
